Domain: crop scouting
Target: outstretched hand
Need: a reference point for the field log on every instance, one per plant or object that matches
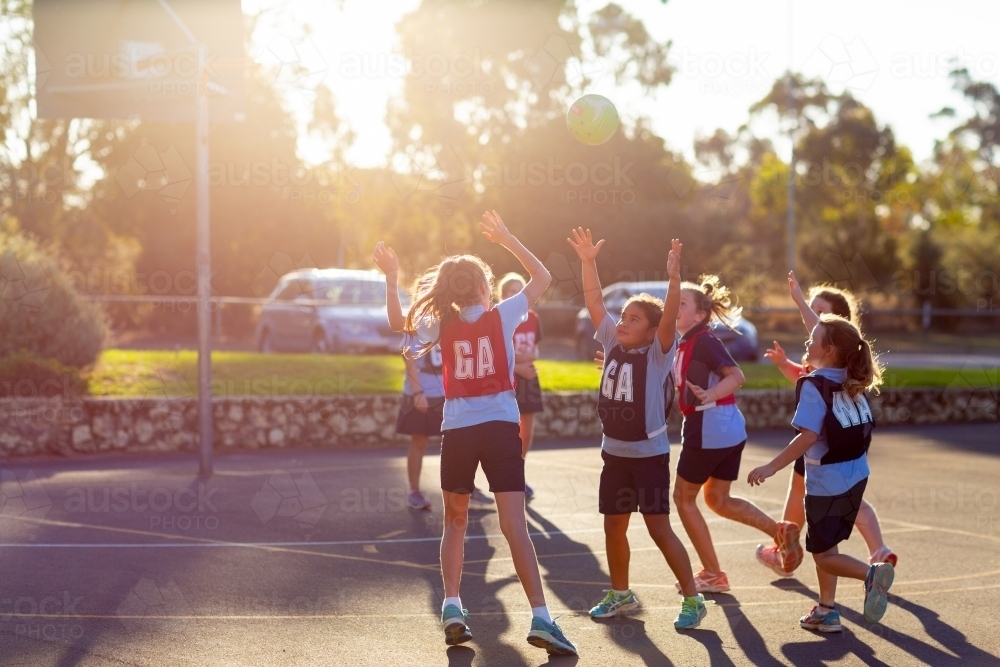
(776, 355)
(793, 287)
(494, 229)
(583, 244)
(674, 259)
(385, 259)
(758, 475)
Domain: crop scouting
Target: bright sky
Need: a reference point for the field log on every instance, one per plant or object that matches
(893, 55)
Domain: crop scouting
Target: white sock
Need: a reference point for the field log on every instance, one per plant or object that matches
(621, 594)
(542, 613)
(457, 601)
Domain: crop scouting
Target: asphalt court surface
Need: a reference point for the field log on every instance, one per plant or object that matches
(310, 558)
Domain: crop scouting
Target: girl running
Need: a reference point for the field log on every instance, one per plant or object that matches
(714, 434)
(834, 424)
(480, 423)
(823, 299)
(527, 336)
(420, 414)
(639, 350)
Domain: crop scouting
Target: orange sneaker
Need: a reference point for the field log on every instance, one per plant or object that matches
(787, 541)
(707, 582)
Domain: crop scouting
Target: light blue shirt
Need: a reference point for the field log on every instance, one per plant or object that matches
(831, 479)
(502, 406)
(658, 365)
(432, 384)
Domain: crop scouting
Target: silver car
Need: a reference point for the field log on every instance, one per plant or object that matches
(328, 310)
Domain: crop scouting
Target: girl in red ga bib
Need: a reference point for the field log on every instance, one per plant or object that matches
(480, 423)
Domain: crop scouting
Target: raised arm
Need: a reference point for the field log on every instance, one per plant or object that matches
(667, 330)
(586, 250)
(809, 318)
(385, 259)
(538, 276)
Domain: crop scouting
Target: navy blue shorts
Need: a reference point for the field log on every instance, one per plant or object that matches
(697, 465)
(494, 444)
(529, 395)
(411, 421)
(635, 485)
(830, 519)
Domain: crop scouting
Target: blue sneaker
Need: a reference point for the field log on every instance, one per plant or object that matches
(828, 622)
(692, 611)
(614, 604)
(877, 584)
(550, 637)
(456, 625)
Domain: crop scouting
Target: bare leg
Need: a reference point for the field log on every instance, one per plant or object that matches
(415, 459)
(795, 509)
(456, 519)
(868, 525)
(736, 509)
(616, 544)
(510, 508)
(527, 432)
(670, 546)
(827, 584)
(686, 502)
(841, 565)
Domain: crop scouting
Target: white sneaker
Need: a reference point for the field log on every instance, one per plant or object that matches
(417, 501)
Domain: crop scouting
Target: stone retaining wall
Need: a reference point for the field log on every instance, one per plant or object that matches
(31, 427)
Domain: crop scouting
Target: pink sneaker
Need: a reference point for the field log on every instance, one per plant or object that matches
(787, 541)
(769, 557)
(883, 555)
(706, 582)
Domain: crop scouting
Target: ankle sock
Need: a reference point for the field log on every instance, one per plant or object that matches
(542, 613)
(621, 594)
(457, 601)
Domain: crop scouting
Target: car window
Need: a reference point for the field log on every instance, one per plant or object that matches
(292, 289)
(352, 292)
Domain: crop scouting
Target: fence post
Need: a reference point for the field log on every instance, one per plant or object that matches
(925, 319)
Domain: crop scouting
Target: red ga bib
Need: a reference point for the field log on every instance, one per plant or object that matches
(474, 356)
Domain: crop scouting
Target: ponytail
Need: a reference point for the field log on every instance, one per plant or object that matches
(443, 290)
(714, 298)
(864, 372)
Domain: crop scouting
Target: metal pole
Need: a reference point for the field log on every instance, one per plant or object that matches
(204, 272)
(790, 232)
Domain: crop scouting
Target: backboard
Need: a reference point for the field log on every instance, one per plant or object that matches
(131, 59)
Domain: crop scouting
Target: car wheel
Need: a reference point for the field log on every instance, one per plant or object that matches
(320, 344)
(265, 346)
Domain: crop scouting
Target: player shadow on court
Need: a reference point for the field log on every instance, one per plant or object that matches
(747, 638)
(554, 551)
(489, 618)
(839, 645)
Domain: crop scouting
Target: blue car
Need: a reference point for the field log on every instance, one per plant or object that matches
(351, 319)
(741, 343)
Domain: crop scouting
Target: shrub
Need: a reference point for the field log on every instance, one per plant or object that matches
(23, 375)
(40, 311)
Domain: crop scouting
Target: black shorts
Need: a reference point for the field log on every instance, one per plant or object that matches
(411, 421)
(529, 396)
(697, 465)
(629, 485)
(800, 466)
(495, 444)
(830, 519)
